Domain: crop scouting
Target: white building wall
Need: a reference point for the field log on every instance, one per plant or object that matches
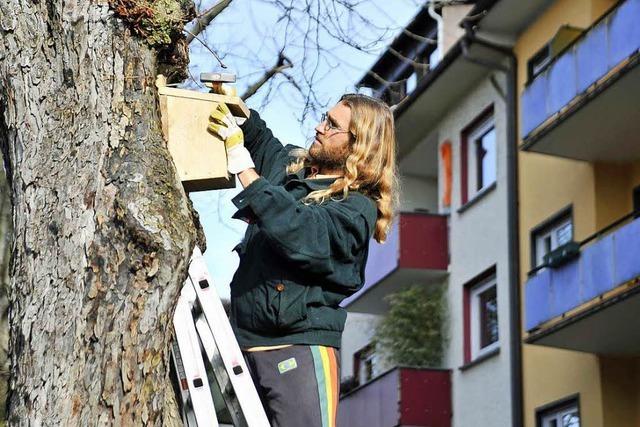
(418, 193)
(478, 240)
(358, 332)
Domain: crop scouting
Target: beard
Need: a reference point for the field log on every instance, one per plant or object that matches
(328, 157)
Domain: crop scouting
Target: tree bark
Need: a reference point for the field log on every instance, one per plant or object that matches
(103, 231)
(5, 253)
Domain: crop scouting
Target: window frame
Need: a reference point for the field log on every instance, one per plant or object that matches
(539, 62)
(476, 322)
(557, 407)
(473, 287)
(476, 137)
(553, 222)
(359, 361)
(484, 121)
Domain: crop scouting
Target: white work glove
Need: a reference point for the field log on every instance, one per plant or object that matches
(224, 125)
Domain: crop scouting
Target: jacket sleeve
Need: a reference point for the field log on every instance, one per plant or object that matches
(314, 238)
(266, 150)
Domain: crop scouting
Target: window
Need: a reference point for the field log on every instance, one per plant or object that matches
(481, 330)
(564, 414)
(365, 366)
(550, 235)
(479, 156)
(484, 318)
(488, 310)
(538, 62)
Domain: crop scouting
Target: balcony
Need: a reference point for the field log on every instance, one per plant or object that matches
(400, 397)
(585, 105)
(416, 252)
(590, 303)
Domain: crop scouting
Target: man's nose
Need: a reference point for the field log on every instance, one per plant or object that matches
(320, 128)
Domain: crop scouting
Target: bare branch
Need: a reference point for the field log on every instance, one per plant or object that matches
(282, 64)
(203, 20)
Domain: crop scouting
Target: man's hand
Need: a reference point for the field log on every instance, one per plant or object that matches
(224, 125)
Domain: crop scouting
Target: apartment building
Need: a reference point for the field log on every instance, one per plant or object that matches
(578, 84)
(453, 231)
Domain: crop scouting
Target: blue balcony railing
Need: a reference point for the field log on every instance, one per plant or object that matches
(607, 262)
(610, 42)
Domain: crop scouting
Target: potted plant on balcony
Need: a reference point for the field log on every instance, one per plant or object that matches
(412, 333)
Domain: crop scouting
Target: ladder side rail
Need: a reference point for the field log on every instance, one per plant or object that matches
(226, 343)
(191, 356)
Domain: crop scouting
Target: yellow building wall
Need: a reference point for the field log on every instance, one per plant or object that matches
(599, 194)
(620, 391)
(614, 185)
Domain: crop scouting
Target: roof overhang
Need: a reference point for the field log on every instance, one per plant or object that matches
(507, 18)
(452, 80)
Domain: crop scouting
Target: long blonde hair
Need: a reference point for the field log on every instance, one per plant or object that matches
(370, 167)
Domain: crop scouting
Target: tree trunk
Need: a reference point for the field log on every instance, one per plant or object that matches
(103, 230)
(5, 253)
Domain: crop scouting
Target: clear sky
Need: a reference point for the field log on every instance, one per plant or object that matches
(249, 36)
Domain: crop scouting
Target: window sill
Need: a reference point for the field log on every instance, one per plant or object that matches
(480, 195)
(480, 359)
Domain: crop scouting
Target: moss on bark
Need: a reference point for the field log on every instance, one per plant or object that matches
(160, 24)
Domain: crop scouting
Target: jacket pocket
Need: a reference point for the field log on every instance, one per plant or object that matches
(281, 306)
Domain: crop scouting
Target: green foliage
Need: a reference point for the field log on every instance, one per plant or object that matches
(158, 21)
(412, 332)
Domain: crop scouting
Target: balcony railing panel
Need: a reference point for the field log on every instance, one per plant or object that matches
(626, 251)
(383, 258)
(591, 57)
(606, 45)
(562, 84)
(624, 32)
(400, 397)
(605, 264)
(416, 251)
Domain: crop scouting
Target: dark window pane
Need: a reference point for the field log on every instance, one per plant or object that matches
(488, 317)
(547, 245)
(368, 370)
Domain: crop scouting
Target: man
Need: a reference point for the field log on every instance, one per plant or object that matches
(311, 217)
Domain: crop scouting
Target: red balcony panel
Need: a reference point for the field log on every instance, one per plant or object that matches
(417, 397)
(416, 252)
(423, 241)
(425, 397)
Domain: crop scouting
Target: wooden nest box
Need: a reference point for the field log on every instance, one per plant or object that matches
(199, 156)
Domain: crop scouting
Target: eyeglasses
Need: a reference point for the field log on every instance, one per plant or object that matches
(329, 126)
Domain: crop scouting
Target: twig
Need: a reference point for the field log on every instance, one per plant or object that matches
(282, 64)
(208, 48)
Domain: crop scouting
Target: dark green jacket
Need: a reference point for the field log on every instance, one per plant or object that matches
(297, 261)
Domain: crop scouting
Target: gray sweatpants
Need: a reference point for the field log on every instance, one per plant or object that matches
(299, 385)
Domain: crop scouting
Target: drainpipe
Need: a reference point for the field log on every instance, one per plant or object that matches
(513, 232)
